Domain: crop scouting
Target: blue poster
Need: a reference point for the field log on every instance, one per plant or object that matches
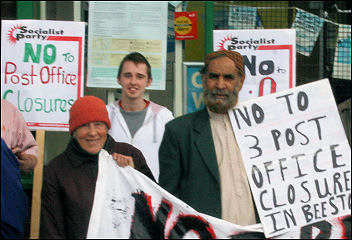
(242, 17)
(307, 27)
(342, 62)
(194, 87)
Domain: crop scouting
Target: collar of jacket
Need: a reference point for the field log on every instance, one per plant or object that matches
(154, 108)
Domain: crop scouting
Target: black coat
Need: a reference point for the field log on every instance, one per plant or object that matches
(188, 166)
(69, 186)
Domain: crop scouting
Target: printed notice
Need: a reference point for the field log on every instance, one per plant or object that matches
(118, 28)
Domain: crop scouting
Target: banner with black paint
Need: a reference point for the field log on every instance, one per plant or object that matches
(296, 155)
(128, 204)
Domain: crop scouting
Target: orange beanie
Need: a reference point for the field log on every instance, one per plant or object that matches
(234, 56)
(88, 109)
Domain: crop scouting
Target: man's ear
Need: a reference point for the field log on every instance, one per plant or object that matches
(149, 82)
(118, 80)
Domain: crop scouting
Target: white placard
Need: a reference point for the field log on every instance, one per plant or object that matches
(269, 57)
(296, 155)
(42, 69)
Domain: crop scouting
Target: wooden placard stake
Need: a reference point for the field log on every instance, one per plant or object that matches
(37, 186)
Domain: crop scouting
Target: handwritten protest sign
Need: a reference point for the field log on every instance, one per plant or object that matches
(269, 58)
(296, 155)
(127, 204)
(42, 69)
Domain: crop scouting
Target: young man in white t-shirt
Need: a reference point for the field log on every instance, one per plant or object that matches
(134, 119)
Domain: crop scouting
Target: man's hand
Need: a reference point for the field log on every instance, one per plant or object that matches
(123, 160)
(26, 162)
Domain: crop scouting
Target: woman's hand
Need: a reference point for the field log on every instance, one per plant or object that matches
(123, 160)
(26, 162)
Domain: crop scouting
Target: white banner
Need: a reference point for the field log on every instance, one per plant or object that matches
(127, 204)
(297, 156)
(42, 69)
(269, 58)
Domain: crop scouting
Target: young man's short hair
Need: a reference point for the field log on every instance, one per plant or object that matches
(136, 58)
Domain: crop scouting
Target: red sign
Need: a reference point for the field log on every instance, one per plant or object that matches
(186, 26)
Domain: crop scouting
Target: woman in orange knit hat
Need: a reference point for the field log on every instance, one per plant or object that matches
(69, 179)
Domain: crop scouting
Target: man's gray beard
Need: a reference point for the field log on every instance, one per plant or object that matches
(220, 106)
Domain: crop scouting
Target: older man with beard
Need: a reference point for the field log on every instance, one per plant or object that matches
(200, 161)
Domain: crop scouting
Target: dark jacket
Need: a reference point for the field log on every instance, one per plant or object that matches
(14, 202)
(69, 186)
(188, 165)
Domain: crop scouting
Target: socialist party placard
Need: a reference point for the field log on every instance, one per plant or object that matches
(269, 58)
(42, 69)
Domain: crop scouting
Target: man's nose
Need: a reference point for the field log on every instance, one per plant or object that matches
(220, 83)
